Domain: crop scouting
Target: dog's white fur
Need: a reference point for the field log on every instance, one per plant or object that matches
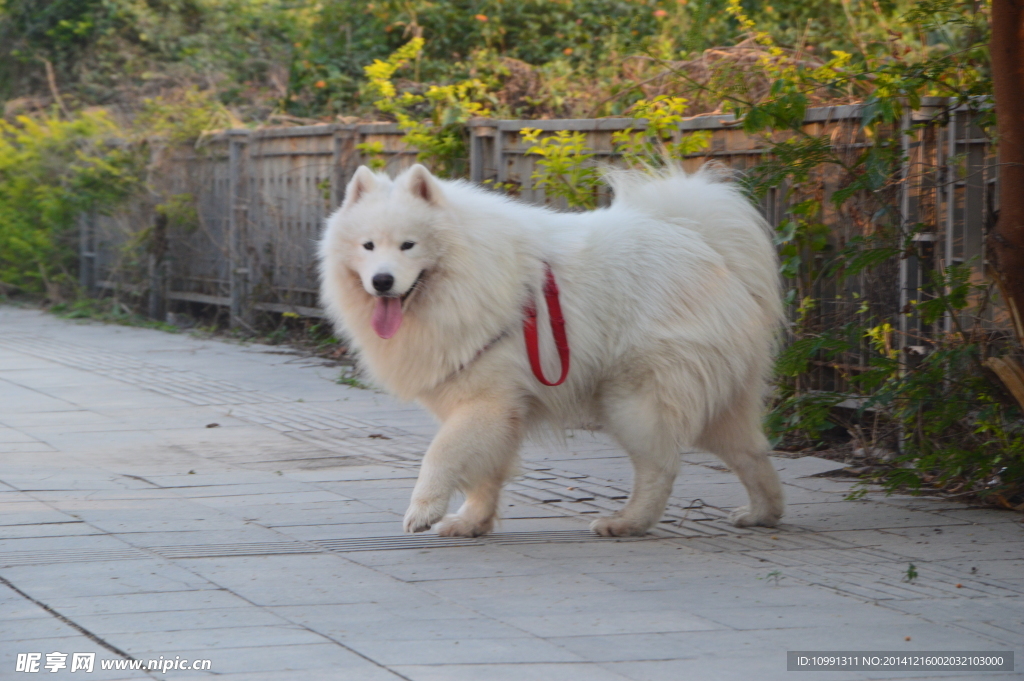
(671, 304)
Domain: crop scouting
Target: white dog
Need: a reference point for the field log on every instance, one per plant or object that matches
(671, 307)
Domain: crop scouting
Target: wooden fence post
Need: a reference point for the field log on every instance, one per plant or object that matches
(158, 269)
(237, 214)
(87, 252)
(483, 138)
(343, 159)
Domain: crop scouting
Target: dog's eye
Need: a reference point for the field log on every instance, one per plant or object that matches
(368, 245)
(407, 245)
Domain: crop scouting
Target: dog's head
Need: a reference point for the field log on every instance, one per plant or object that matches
(384, 233)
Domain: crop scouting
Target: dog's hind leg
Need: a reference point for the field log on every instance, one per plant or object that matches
(650, 436)
(474, 451)
(735, 436)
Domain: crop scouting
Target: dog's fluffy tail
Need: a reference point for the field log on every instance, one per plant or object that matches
(705, 202)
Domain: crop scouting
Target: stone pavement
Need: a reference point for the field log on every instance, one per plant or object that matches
(271, 544)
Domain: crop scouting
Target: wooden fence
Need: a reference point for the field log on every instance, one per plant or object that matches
(259, 200)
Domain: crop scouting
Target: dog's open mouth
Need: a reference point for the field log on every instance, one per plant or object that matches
(387, 315)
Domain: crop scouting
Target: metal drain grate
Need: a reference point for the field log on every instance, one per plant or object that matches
(429, 541)
(227, 550)
(22, 558)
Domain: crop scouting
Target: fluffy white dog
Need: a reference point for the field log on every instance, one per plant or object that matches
(671, 305)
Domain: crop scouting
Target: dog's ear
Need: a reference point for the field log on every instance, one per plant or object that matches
(362, 182)
(421, 184)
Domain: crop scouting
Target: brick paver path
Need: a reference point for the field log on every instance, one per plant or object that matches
(271, 544)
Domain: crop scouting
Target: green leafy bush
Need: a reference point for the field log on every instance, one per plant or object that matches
(51, 172)
(435, 121)
(184, 116)
(661, 140)
(934, 415)
(565, 168)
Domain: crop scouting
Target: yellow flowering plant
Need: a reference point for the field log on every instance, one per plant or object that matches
(434, 122)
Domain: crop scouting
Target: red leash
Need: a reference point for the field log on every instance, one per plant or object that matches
(557, 330)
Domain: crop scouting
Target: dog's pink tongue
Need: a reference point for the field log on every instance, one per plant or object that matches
(387, 316)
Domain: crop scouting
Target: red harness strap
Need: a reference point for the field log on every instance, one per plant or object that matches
(557, 330)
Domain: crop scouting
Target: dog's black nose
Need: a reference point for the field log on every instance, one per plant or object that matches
(383, 282)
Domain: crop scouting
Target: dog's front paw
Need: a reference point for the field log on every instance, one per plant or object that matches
(744, 517)
(421, 516)
(615, 526)
(459, 526)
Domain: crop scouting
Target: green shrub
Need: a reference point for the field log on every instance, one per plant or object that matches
(51, 172)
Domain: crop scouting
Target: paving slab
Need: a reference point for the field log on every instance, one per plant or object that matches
(270, 543)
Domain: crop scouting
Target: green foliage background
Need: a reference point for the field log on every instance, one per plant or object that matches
(306, 57)
(51, 172)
